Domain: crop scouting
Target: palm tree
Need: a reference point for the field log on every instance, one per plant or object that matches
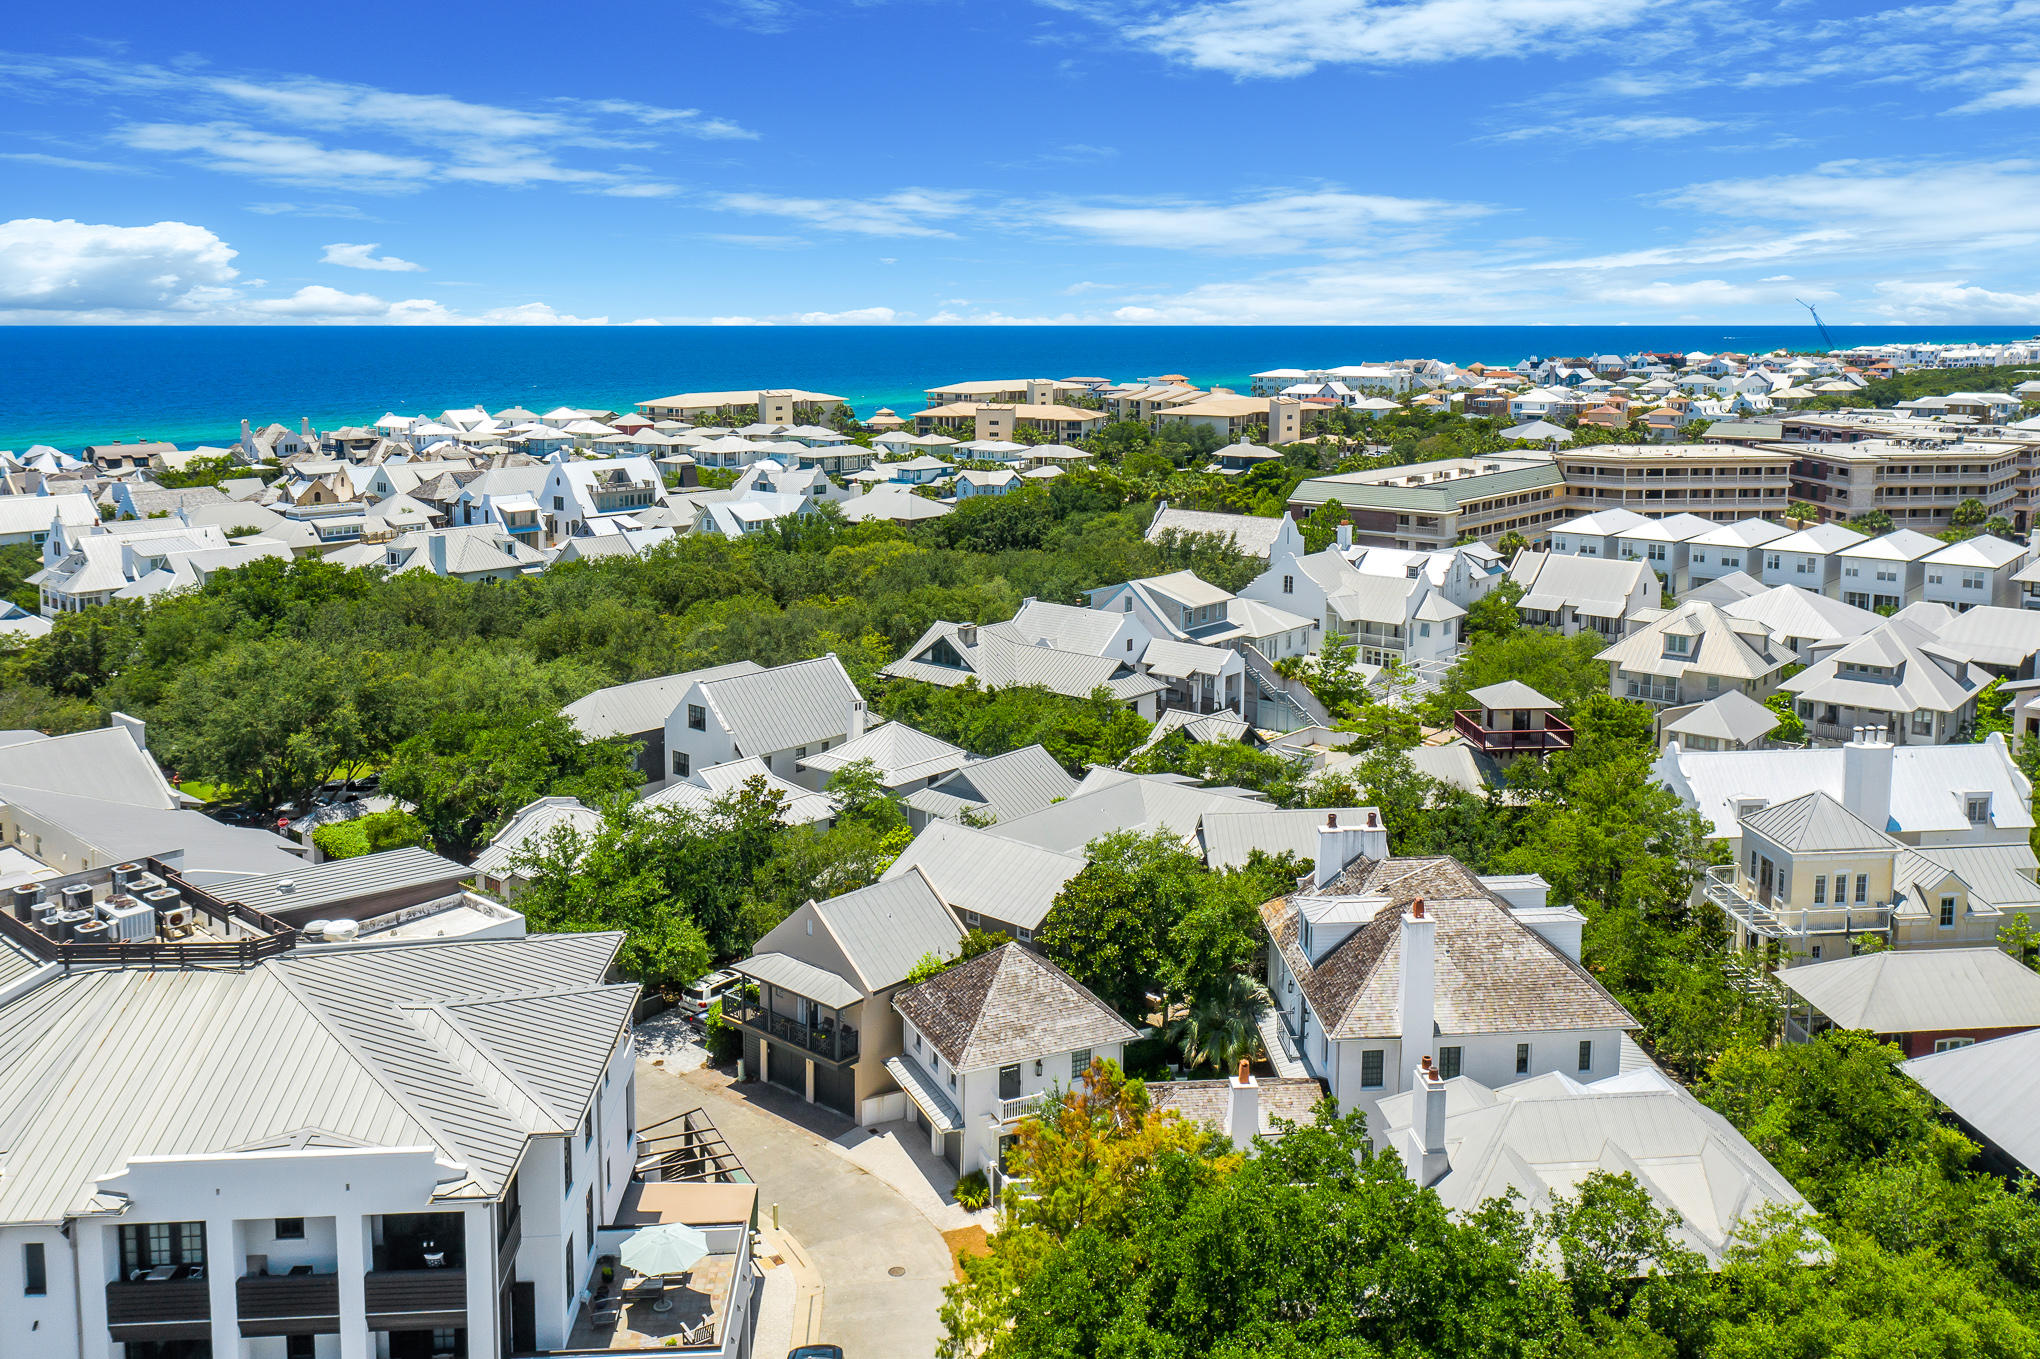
(1223, 1025)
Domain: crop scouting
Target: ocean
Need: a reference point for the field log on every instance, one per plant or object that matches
(75, 385)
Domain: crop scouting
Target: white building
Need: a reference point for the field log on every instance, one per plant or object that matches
(580, 492)
(1729, 548)
(1887, 572)
(1975, 571)
(1809, 558)
(1379, 965)
(778, 717)
(983, 1043)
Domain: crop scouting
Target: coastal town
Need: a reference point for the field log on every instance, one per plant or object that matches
(746, 874)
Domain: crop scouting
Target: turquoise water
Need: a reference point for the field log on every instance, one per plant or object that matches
(74, 385)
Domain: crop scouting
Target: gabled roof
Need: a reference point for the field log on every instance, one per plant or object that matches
(1510, 694)
(1982, 550)
(1251, 533)
(1002, 787)
(1918, 680)
(1726, 589)
(1814, 822)
(884, 929)
(704, 787)
(1718, 647)
(1009, 1005)
(975, 870)
(1790, 611)
(530, 826)
(1111, 800)
(1593, 585)
(1900, 545)
(1742, 533)
(1494, 974)
(803, 703)
(1919, 990)
(900, 753)
(1993, 1087)
(1816, 540)
(467, 1048)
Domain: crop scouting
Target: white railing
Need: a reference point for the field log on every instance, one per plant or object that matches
(1784, 921)
(1022, 1106)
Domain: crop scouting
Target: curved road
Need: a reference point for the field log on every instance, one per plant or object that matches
(855, 1227)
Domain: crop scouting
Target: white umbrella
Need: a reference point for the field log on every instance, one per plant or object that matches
(663, 1248)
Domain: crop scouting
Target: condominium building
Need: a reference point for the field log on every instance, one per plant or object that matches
(776, 406)
(1716, 482)
(1434, 504)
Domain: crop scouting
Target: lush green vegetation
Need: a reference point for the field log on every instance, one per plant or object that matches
(1921, 382)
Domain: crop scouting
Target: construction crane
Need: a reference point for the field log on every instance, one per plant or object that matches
(1826, 338)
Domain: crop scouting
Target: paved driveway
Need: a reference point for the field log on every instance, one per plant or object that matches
(855, 1228)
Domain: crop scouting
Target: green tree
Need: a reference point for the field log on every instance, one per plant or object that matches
(271, 719)
(1968, 513)
(1804, 510)
(2018, 938)
(1321, 528)
(1494, 614)
(371, 834)
(1221, 1026)
(467, 772)
(1510, 544)
(1993, 711)
(1873, 522)
(1791, 727)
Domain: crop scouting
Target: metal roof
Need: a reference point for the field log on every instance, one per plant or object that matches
(1734, 717)
(1438, 497)
(884, 929)
(1002, 787)
(339, 880)
(1815, 821)
(532, 826)
(1994, 1087)
(1917, 990)
(804, 703)
(1230, 837)
(926, 1093)
(352, 1046)
(900, 753)
(803, 979)
(975, 870)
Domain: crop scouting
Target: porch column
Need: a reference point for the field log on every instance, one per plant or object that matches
(765, 1060)
(810, 1064)
(353, 1257)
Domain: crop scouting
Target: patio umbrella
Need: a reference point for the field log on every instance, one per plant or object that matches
(663, 1248)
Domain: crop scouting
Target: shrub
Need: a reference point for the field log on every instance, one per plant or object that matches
(973, 1191)
(725, 1041)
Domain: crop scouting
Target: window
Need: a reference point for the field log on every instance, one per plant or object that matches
(1947, 913)
(1772, 561)
(1448, 1062)
(1841, 888)
(1979, 810)
(1950, 1044)
(1289, 585)
(1370, 1069)
(917, 1042)
(305, 1347)
(1819, 891)
(1862, 888)
(1677, 644)
(1080, 1062)
(1009, 1081)
(588, 1128)
(1424, 629)
(1522, 1059)
(35, 1272)
(1923, 723)
(290, 1229)
(559, 502)
(697, 717)
(680, 764)
(571, 1290)
(147, 1245)
(591, 1212)
(1586, 1054)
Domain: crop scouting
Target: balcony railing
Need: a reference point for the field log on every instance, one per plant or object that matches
(835, 1041)
(1783, 921)
(415, 1299)
(1552, 735)
(288, 1304)
(1021, 1106)
(159, 1309)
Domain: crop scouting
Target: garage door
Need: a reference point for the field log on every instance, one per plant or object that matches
(752, 1044)
(836, 1088)
(789, 1069)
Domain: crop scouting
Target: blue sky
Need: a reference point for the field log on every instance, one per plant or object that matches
(917, 161)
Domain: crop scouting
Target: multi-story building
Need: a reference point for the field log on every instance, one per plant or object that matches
(1716, 482)
(1980, 570)
(1435, 504)
(777, 406)
(227, 1139)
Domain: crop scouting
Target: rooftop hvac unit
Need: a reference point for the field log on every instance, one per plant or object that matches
(163, 898)
(314, 931)
(124, 876)
(77, 897)
(174, 919)
(342, 931)
(145, 883)
(91, 932)
(129, 920)
(68, 922)
(26, 898)
(46, 913)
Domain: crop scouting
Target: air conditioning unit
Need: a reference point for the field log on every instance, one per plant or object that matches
(91, 932)
(77, 897)
(129, 920)
(313, 931)
(26, 898)
(174, 919)
(124, 875)
(68, 922)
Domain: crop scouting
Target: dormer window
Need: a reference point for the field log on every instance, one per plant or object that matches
(1678, 644)
(1977, 806)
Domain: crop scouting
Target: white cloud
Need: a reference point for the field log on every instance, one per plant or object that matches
(1975, 206)
(1700, 294)
(859, 316)
(71, 163)
(64, 267)
(364, 257)
(1273, 224)
(318, 302)
(341, 210)
(908, 212)
(1956, 301)
(1291, 37)
(2023, 95)
(689, 122)
(1642, 127)
(237, 149)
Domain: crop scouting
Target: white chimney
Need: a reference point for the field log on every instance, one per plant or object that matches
(1866, 776)
(857, 716)
(1339, 845)
(1427, 1131)
(1243, 1108)
(435, 548)
(1418, 984)
(1345, 536)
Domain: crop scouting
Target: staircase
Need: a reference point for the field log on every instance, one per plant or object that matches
(1280, 704)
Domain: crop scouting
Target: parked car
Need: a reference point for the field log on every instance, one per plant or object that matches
(697, 996)
(815, 1352)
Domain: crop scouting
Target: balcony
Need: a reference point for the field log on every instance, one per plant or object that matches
(1021, 1106)
(178, 1308)
(1778, 920)
(288, 1304)
(832, 1041)
(1551, 735)
(415, 1299)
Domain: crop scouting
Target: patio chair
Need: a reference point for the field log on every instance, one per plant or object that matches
(605, 1311)
(700, 1333)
